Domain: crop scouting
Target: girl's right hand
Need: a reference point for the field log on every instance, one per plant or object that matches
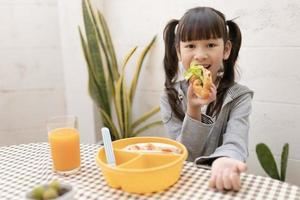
(194, 103)
(225, 174)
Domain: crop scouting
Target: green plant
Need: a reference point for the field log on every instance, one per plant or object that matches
(268, 163)
(107, 85)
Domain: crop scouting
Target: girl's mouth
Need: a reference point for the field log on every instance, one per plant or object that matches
(206, 66)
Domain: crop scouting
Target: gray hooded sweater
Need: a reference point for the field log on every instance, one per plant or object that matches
(211, 138)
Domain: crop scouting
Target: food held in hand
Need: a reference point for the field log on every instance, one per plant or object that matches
(153, 147)
(200, 78)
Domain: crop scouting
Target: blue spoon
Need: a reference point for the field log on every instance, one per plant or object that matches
(109, 152)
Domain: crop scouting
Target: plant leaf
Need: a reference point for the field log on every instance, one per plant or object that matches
(110, 47)
(122, 98)
(145, 116)
(110, 124)
(126, 101)
(84, 47)
(267, 160)
(107, 54)
(93, 87)
(127, 57)
(138, 69)
(95, 56)
(126, 110)
(94, 90)
(119, 103)
(284, 161)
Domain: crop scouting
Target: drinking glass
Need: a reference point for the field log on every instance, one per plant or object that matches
(63, 137)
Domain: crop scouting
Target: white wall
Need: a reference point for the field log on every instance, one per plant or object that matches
(31, 78)
(269, 63)
(42, 70)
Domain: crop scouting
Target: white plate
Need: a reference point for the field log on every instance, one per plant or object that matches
(66, 196)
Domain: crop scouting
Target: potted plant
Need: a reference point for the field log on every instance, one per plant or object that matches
(107, 85)
(268, 163)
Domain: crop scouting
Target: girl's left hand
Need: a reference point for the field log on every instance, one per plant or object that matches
(193, 100)
(225, 173)
(195, 103)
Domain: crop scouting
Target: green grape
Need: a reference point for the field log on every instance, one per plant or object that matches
(50, 193)
(37, 192)
(55, 184)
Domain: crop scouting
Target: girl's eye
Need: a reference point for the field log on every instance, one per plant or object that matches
(190, 46)
(211, 45)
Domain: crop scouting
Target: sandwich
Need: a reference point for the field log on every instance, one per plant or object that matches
(200, 78)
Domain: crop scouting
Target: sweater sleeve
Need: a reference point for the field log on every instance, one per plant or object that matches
(235, 139)
(191, 133)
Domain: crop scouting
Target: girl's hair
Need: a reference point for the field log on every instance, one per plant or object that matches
(200, 23)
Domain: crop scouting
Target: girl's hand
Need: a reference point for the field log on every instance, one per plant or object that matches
(225, 174)
(195, 103)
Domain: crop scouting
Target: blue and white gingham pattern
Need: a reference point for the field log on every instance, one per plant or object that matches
(24, 166)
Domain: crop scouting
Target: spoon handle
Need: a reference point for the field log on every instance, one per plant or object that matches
(109, 152)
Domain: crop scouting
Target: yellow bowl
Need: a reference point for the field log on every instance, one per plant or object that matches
(142, 172)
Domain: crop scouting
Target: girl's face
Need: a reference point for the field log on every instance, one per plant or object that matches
(209, 53)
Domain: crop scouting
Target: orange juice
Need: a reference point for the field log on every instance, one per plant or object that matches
(64, 143)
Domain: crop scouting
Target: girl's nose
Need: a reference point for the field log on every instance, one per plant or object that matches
(201, 55)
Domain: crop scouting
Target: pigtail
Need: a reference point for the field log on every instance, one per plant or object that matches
(170, 58)
(171, 68)
(236, 39)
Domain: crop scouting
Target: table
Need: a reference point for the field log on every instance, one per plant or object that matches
(23, 166)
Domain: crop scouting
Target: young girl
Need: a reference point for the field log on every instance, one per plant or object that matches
(215, 129)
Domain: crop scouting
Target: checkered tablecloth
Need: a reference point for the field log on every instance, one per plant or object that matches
(24, 166)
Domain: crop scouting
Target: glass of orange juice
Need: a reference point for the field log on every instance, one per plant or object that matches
(64, 141)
